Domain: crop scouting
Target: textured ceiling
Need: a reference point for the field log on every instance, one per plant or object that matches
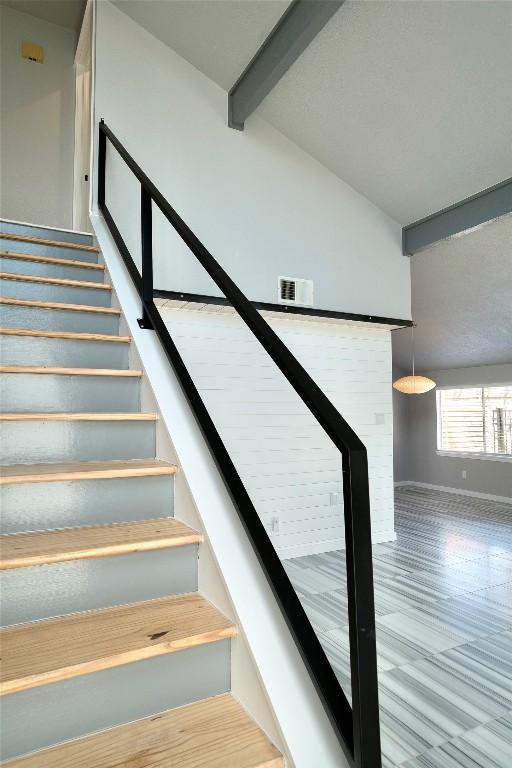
(219, 37)
(409, 102)
(461, 302)
(65, 13)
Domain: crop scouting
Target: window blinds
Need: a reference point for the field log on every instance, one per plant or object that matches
(475, 419)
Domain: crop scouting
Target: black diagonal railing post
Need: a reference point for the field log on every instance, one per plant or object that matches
(361, 610)
(146, 229)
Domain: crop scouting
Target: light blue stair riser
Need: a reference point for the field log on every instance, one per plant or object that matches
(12, 316)
(62, 353)
(37, 249)
(25, 289)
(41, 592)
(49, 714)
(45, 233)
(42, 392)
(43, 506)
(33, 442)
(24, 267)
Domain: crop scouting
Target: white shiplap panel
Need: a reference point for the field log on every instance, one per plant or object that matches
(289, 466)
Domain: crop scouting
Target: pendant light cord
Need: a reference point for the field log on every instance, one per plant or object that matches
(412, 348)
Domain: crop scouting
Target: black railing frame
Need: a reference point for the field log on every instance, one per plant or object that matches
(357, 727)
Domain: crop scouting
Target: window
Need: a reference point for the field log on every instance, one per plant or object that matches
(475, 420)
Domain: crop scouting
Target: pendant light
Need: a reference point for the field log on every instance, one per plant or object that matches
(413, 385)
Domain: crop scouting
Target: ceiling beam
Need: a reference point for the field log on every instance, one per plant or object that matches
(296, 28)
(468, 214)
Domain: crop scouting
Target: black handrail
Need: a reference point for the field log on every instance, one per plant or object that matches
(357, 727)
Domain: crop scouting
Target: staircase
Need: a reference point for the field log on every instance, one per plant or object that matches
(109, 655)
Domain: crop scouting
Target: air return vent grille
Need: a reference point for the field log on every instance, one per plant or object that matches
(294, 290)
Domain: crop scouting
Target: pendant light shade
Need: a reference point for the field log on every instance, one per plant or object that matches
(414, 385)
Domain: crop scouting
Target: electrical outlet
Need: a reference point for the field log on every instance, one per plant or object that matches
(335, 499)
(464, 474)
(275, 524)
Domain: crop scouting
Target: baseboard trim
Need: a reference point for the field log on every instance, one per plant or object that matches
(462, 491)
(319, 547)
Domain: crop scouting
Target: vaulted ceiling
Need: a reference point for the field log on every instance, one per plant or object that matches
(409, 102)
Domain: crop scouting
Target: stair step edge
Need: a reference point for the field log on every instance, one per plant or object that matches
(18, 474)
(65, 335)
(64, 282)
(72, 416)
(24, 550)
(49, 243)
(215, 731)
(57, 305)
(50, 260)
(50, 370)
(51, 650)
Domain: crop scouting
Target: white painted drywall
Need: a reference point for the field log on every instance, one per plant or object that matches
(261, 205)
(289, 466)
(37, 122)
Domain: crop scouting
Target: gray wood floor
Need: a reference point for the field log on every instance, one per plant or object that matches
(443, 595)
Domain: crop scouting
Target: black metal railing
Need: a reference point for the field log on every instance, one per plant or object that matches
(356, 726)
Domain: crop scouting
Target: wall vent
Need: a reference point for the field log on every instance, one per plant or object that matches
(296, 291)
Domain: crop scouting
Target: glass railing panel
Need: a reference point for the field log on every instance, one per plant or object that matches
(289, 466)
(122, 197)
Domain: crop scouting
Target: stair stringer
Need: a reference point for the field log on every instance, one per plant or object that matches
(268, 675)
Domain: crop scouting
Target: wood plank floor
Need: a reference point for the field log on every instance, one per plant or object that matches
(443, 594)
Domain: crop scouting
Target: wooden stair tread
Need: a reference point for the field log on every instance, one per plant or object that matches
(51, 243)
(212, 733)
(72, 416)
(84, 470)
(50, 260)
(59, 305)
(55, 281)
(70, 371)
(22, 550)
(46, 651)
(71, 335)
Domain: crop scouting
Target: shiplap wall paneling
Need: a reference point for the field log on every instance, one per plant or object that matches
(289, 466)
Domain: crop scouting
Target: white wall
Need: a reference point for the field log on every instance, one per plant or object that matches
(37, 122)
(261, 205)
(288, 465)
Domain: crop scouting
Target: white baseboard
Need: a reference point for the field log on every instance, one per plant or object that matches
(319, 547)
(462, 491)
